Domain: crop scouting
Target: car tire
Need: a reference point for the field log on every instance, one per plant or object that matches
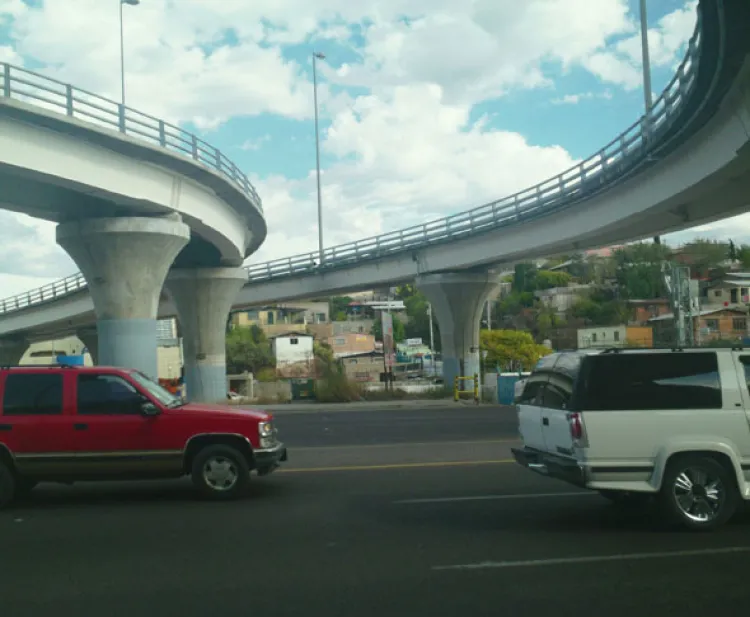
(24, 486)
(7, 485)
(698, 493)
(220, 472)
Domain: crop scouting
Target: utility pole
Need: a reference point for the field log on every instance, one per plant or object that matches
(432, 338)
(677, 282)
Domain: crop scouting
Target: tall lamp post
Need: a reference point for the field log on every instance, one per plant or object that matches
(647, 95)
(646, 62)
(318, 56)
(122, 45)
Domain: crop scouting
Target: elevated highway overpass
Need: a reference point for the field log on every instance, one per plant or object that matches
(686, 164)
(134, 198)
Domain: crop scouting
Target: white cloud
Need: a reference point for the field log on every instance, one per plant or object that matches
(255, 144)
(622, 64)
(405, 151)
(28, 249)
(405, 159)
(169, 71)
(479, 51)
(574, 99)
(666, 40)
(11, 9)
(8, 54)
(736, 228)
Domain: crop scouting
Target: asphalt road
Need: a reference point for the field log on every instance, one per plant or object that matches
(397, 426)
(382, 534)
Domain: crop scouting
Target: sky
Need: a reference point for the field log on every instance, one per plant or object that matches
(427, 107)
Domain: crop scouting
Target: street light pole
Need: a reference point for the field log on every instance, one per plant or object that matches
(316, 56)
(646, 62)
(122, 45)
(647, 95)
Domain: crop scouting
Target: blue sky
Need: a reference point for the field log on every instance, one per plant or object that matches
(428, 107)
(287, 145)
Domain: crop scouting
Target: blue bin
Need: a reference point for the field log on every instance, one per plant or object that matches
(70, 360)
(506, 383)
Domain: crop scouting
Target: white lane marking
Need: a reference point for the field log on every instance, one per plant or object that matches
(491, 497)
(594, 559)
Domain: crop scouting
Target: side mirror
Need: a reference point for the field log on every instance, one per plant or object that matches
(149, 409)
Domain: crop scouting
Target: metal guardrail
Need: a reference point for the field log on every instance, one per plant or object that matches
(607, 164)
(29, 87)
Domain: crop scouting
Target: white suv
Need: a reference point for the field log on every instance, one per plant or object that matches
(633, 424)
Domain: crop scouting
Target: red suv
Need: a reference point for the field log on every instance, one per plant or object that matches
(66, 424)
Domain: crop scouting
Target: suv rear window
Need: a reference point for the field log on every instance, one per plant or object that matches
(613, 382)
(33, 394)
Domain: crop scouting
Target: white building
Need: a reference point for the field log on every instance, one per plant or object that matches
(294, 354)
(602, 336)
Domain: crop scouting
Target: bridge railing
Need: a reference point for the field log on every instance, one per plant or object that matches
(606, 165)
(610, 162)
(63, 287)
(53, 95)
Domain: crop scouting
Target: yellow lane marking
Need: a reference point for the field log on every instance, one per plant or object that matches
(396, 466)
(405, 444)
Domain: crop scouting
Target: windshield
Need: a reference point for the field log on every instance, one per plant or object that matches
(164, 396)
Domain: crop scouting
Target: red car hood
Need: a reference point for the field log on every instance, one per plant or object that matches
(223, 410)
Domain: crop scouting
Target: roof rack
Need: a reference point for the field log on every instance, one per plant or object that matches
(675, 348)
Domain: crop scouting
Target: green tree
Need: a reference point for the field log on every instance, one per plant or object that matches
(417, 311)
(399, 330)
(743, 255)
(546, 279)
(639, 270)
(546, 321)
(510, 349)
(324, 358)
(732, 253)
(338, 307)
(704, 255)
(600, 313)
(514, 303)
(524, 277)
(248, 349)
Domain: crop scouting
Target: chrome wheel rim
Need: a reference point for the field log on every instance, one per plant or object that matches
(220, 473)
(699, 494)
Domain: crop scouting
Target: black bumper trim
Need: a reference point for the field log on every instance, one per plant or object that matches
(270, 458)
(551, 465)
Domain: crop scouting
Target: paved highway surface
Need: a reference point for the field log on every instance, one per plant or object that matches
(391, 528)
(397, 426)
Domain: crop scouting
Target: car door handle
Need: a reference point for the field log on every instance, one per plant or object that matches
(545, 421)
(81, 427)
(6, 427)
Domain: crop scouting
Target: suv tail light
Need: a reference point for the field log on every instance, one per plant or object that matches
(576, 428)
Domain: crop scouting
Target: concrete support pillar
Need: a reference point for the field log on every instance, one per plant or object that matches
(90, 339)
(125, 262)
(203, 298)
(12, 350)
(458, 299)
